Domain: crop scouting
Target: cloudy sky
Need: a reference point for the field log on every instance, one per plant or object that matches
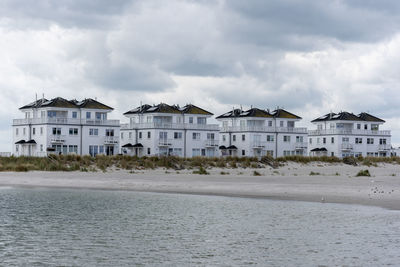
(310, 57)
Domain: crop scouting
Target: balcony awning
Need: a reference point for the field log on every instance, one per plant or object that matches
(20, 142)
(138, 145)
(322, 149)
(129, 145)
(222, 147)
(32, 142)
(50, 149)
(231, 147)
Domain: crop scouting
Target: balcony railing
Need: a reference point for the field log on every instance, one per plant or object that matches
(347, 146)
(349, 132)
(384, 147)
(111, 140)
(68, 121)
(57, 139)
(211, 143)
(164, 142)
(178, 126)
(258, 144)
(263, 129)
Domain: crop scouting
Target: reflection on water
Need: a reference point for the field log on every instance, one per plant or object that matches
(113, 228)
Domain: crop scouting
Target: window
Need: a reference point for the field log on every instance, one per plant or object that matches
(196, 136)
(370, 141)
(130, 135)
(201, 120)
(382, 141)
(281, 123)
(93, 132)
(16, 148)
(74, 114)
(148, 151)
(177, 135)
(73, 149)
(88, 115)
(319, 126)
(203, 152)
(101, 149)
(270, 138)
(233, 138)
(56, 131)
(223, 138)
(190, 119)
(177, 151)
(210, 136)
(243, 152)
(358, 140)
(324, 140)
(310, 141)
(374, 127)
(73, 131)
(365, 126)
(109, 132)
(269, 123)
(270, 153)
(41, 148)
(23, 131)
(286, 152)
(93, 150)
(16, 131)
(148, 135)
(332, 126)
(122, 135)
(286, 138)
(41, 130)
(195, 152)
(243, 137)
(345, 139)
(332, 140)
(358, 126)
(140, 135)
(299, 139)
(317, 140)
(33, 131)
(43, 114)
(51, 114)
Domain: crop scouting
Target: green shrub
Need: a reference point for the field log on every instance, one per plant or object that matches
(201, 171)
(363, 173)
(256, 173)
(314, 173)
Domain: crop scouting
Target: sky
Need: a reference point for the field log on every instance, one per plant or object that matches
(309, 57)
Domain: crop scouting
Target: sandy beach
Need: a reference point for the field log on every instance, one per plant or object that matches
(316, 182)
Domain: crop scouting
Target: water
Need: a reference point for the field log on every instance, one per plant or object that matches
(46, 227)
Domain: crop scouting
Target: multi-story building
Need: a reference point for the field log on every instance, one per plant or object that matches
(346, 134)
(169, 130)
(65, 127)
(257, 132)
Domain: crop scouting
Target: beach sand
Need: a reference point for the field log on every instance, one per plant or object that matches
(333, 183)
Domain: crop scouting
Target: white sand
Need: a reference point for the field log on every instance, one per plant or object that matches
(291, 182)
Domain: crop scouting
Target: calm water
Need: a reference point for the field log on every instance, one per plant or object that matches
(43, 227)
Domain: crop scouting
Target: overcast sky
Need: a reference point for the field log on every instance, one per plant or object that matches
(310, 57)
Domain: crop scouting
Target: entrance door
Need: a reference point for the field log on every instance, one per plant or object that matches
(109, 150)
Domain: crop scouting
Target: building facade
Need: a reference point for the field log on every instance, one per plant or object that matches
(169, 130)
(346, 134)
(257, 132)
(61, 126)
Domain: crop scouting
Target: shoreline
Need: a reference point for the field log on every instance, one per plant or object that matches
(292, 182)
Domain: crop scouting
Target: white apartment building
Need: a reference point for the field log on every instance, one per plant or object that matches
(257, 132)
(65, 127)
(346, 134)
(169, 130)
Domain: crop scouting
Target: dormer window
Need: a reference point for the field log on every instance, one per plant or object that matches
(190, 119)
(88, 115)
(358, 126)
(201, 120)
(281, 123)
(365, 126)
(74, 114)
(51, 114)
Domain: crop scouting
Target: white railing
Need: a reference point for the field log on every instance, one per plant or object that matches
(57, 138)
(111, 140)
(68, 121)
(258, 144)
(179, 126)
(263, 129)
(164, 142)
(384, 147)
(211, 143)
(346, 146)
(349, 132)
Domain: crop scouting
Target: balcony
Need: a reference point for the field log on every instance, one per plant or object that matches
(163, 142)
(263, 129)
(348, 132)
(384, 147)
(68, 121)
(212, 143)
(346, 146)
(258, 144)
(301, 145)
(172, 126)
(57, 139)
(111, 140)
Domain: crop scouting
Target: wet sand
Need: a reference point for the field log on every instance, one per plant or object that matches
(329, 183)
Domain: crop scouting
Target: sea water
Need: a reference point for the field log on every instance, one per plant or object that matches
(54, 227)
